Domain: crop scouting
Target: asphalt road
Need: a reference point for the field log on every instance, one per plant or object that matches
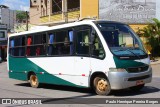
(10, 88)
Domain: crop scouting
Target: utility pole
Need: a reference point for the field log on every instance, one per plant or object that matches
(50, 7)
(50, 13)
(65, 11)
(27, 21)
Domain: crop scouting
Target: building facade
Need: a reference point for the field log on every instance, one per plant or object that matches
(3, 42)
(55, 11)
(7, 22)
(134, 12)
(7, 17)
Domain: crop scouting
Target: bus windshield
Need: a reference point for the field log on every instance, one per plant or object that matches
(121, 39)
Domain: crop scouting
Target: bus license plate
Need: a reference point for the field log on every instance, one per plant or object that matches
(139, 82)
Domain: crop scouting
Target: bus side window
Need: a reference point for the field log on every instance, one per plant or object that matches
(97, 48)
(12, 47)
(62, 43)
(82, 42)
(66, 46)
(43, 46)
(12, 43)
(29, 42)
(43, 38)
(50, 44)
(59, 43)
(22, 46)
(71, 42)
(36, 44)
(17, 46)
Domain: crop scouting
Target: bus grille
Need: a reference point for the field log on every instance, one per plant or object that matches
(137, 69)
(138, 78)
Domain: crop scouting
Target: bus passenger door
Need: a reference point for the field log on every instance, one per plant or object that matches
(82, 58)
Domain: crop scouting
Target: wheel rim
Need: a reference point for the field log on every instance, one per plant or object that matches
(34, 80)
(102, 85)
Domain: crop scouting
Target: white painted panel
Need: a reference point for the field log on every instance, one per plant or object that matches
(71, 68)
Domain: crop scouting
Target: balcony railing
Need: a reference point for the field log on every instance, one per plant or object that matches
(58, 16)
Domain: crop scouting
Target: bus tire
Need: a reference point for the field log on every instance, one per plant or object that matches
(101, 85)
(137, 88)
(34, 81)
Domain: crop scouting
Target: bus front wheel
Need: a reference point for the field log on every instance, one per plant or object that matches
(101, 85)
(34, 81)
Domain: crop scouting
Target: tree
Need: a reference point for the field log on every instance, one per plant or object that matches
(152, 33)
(21, 15)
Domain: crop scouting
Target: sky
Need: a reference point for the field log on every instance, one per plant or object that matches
(16, 4)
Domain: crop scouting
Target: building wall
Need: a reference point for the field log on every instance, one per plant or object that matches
(34, 16)
(128, 11)
(37, 10)
(100, 9)
(89, 8)
(58, 17)
(8, 17)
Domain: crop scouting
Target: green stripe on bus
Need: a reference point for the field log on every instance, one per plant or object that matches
(121, 63)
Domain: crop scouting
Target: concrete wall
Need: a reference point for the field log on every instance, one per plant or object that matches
(128, 11)
(37, 9)
(34, 16)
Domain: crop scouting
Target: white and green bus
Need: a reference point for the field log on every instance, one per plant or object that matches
(102, 55)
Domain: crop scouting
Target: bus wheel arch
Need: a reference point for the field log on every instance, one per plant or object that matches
(100, 83)
(33, 79)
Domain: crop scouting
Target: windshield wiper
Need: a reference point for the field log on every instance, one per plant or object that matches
(139, 49)
(120, 50)
(129, 50)
(134, 54)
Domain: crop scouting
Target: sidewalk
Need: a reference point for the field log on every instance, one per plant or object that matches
(157, 61)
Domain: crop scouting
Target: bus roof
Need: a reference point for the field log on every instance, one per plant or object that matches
(83, 22)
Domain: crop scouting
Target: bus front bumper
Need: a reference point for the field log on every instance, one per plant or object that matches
(122, 80)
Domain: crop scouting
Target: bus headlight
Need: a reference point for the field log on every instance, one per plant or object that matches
(117, 69)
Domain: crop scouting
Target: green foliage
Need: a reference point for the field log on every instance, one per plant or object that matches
(21, 15)
(152, 33)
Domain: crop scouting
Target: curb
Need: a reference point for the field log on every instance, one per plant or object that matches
(156, 62)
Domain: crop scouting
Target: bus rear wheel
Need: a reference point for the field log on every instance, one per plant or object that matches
(34, 81)
(101, 85)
